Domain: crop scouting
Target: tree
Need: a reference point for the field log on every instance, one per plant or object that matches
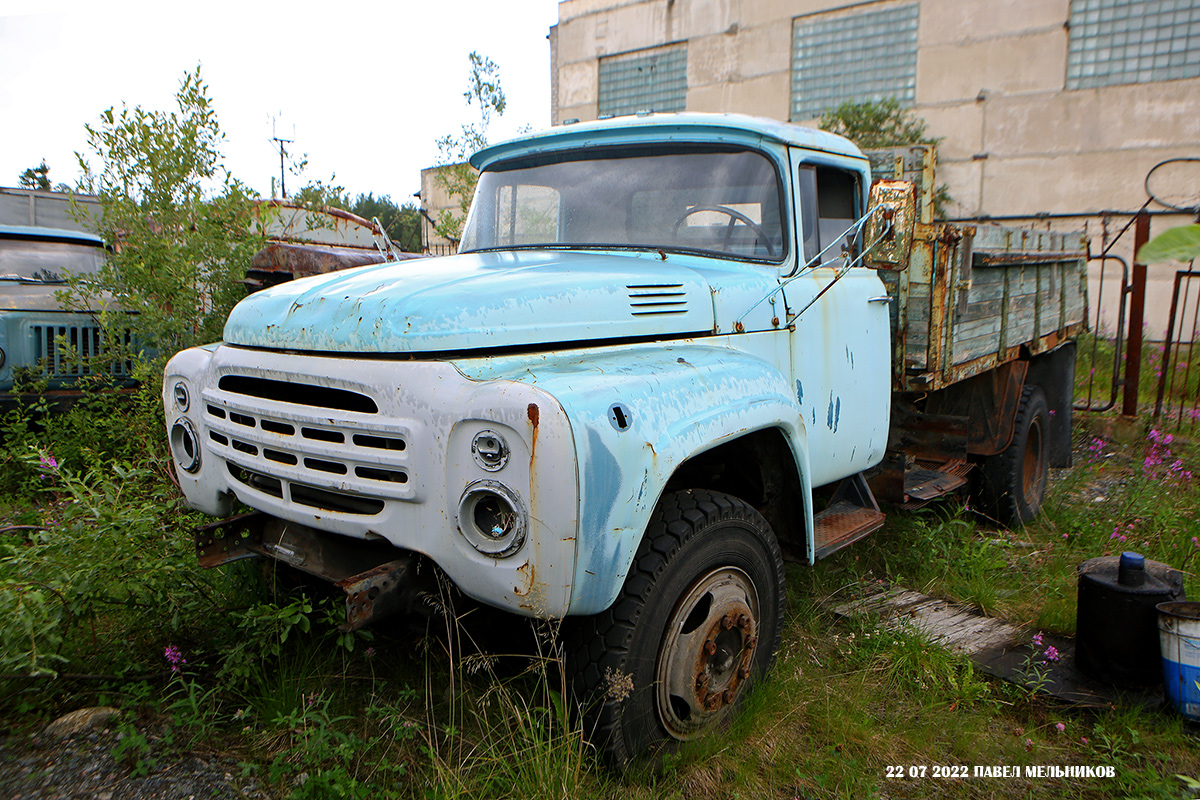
(36, 177)
(181, 227)
(883, 123)
(455, 175)
(877, 123)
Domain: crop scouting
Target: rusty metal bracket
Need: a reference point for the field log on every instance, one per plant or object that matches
(376, 593)
(379, 580)
(229, 540)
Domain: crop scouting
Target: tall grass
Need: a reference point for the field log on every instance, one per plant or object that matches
(97, 579)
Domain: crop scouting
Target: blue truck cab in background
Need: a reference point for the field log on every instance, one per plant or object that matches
(34, 327)
(614, 407)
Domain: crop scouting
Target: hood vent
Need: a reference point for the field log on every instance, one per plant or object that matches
(657, 299)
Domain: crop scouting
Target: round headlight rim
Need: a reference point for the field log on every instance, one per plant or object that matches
(181, 431)
(486, 543)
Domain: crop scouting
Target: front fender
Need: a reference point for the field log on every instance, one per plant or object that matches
(674, 402)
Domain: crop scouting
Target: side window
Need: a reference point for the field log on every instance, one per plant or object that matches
(833, 195)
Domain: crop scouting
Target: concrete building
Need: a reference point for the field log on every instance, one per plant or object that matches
(1052, 111)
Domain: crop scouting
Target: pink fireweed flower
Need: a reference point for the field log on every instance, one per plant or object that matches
(1037, 639)
(1061, 727)
(1052, 653)
(174, 657)
(48, 465)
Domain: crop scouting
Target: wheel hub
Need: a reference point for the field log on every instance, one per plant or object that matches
(707, 652)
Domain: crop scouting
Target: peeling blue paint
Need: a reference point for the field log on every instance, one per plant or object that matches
(829, 413)
(602, 476)
(799, 392)
(849, 356)
(835, 412)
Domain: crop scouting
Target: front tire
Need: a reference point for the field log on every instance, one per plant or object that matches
(697, 622)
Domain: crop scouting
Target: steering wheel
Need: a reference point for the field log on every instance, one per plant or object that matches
(735, 217)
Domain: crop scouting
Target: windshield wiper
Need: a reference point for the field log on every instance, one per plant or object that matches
(14, 277)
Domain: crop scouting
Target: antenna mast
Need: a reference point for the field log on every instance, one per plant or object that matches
(282, 156)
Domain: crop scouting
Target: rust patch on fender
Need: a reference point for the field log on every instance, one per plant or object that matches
(535, 415)
(526, 573)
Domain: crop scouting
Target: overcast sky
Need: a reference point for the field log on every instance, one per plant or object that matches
(364, 88)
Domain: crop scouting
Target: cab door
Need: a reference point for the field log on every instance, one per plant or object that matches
(840, 351)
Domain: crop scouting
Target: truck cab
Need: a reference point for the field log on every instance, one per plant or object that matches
(41, 343)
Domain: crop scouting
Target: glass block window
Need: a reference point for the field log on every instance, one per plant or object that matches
(645, 80)
(864, 55)
(1132, 41)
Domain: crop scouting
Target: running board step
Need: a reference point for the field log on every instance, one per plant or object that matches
(843, 523)
(851, 515)
(924, 484)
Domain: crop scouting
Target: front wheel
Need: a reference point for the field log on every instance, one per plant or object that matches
(696, 623)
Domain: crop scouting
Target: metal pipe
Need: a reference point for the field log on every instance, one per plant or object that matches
(1137, 313)
(1118, 341)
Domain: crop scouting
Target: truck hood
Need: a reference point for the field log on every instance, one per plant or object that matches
(16, 296)
(475, 301)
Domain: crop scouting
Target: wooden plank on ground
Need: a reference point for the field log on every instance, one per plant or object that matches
(995, 647)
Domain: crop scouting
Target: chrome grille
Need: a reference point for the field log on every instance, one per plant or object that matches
(302, 454)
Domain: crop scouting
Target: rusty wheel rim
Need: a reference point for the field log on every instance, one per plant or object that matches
(707, 652)
(1033, 468)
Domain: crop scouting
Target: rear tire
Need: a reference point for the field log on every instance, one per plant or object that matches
(697, 622)
(1014, 481)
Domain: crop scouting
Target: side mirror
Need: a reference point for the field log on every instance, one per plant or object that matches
(887, 239)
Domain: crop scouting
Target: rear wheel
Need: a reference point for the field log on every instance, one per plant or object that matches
(1014, 481)
(696, 623)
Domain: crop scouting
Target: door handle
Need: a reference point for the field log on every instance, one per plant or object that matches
(887, 298)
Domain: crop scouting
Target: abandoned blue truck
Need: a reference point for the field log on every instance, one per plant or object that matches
(672, 350)
(47, 350)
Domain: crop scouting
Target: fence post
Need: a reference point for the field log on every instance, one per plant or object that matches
(1137, 313)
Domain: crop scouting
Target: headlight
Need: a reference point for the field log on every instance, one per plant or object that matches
(492, 519)
(185, 445)
(180, 392)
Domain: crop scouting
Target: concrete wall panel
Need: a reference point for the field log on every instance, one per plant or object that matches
(1029, 63)
(759, 96)
(706, 17)
(956, 21)
(960, 126)
(635, 27)
(765, 49)
(1086, 182)
(1129, 117)
(578, 85)
(758, 12)
(711, 59)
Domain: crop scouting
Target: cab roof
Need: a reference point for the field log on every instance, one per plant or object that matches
(691, 127)
(48, 234)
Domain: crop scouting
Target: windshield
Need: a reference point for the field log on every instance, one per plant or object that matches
(726, 203)
(33, 261)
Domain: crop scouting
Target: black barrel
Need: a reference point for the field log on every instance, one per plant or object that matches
(1116, 623)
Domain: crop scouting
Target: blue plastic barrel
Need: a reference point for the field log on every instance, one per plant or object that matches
(1179, 637)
